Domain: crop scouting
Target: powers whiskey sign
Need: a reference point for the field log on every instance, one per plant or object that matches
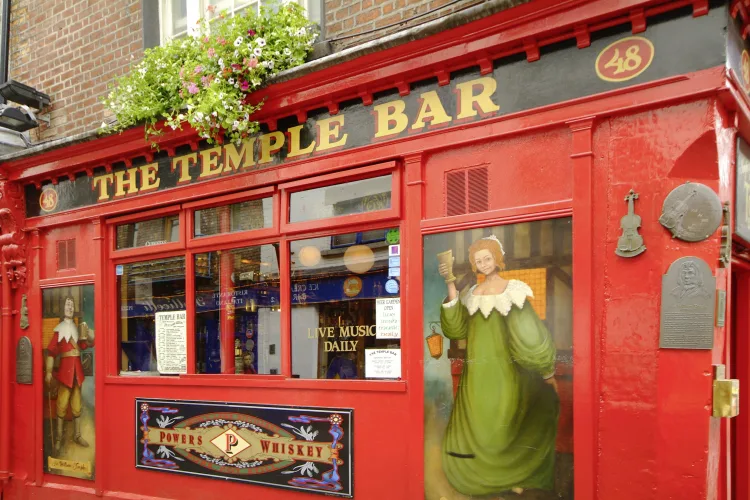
(303, 449)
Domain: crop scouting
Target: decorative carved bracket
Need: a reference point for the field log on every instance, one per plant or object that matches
(12, 239)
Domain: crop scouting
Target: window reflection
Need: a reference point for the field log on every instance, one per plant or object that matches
(238, 326)
(148, 232)
(356, 197)
(146, 288)
(244, 216)
(335, 294)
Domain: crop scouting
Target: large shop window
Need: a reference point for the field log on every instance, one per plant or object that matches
(300, 280)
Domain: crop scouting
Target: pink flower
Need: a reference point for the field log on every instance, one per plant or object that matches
(221, 41)
(244, 85)
(252, 63)
(182, 73)
(211, 52)
(211, 9)
(251, 32)
(198, 69)
(193, 88)
(206, 39)
(205, 81)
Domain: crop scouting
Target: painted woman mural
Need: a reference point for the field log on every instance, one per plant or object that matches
(502, 428)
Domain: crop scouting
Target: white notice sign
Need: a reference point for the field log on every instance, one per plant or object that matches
(382, 363)
(171, 342)
(388, 318)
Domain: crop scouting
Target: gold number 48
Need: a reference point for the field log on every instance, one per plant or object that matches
(630, 62)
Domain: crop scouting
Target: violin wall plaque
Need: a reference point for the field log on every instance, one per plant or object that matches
(691, 212)
(630, 242)
(687, 305)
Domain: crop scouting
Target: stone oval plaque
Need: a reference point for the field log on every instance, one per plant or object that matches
(24, 361)
(687, 305)
(691, 212)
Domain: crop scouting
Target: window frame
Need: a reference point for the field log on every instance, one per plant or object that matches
(124, 253)
(196, 9)
(334, 222)
(280, 233)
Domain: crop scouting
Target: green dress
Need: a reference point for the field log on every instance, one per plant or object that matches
(502, 429)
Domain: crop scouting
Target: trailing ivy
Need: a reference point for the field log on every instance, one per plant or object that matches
(205, 79)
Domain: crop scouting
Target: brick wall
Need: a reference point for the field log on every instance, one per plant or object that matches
(347, 17)
(72, 50)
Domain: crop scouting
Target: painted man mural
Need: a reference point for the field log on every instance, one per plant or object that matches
(67, 343)
(502, 429)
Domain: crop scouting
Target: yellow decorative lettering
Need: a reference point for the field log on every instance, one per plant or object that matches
(390, 118)
(431, 110)
(294, 143)
(470, 104)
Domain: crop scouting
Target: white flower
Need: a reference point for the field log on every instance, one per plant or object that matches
(142, 70)
(236, 54)
(104, 125)
(261, 42)
(231, 81)
(257, 52)
(235, 125)
(250, 46)
(301, 32)
(256, 83)
(238, 41)
(287, 52)
(214, 114)
(221, 62)
(270, 64)
(180, 117)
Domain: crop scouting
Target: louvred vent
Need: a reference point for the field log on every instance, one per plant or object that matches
(466, 191)
(66, 254)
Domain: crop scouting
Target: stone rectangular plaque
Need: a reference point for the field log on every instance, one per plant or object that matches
(688, 305)
(24, 361)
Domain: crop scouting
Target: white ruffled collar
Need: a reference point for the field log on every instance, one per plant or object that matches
(514, 294)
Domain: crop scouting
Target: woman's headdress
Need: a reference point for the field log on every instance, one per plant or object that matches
(492, 237)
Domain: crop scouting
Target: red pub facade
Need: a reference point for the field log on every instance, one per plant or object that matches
(309, 311)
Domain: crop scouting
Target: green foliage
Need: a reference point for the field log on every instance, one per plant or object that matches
(205, 80)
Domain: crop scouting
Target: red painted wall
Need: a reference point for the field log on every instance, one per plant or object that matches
(654, 410)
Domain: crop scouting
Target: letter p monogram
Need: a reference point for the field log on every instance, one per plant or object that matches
(231, 442)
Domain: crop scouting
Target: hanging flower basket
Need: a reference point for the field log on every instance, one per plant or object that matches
(205, 80)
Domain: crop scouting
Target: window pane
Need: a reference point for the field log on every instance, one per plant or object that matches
(147, 288)
(237, 304)
(149, 232)
(222, 5)
(344, 305)
(252, 214)
(356, 197)
(178, 19)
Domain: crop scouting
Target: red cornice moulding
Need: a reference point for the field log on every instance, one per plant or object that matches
(492, 37)
(672, 90)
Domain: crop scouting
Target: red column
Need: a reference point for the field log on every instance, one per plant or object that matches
(584, 381)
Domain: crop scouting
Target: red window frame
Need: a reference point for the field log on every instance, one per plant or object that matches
(281, 232)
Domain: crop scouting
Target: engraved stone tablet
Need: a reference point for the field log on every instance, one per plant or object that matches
(691, 212)
(23, 361)
(687, 305)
